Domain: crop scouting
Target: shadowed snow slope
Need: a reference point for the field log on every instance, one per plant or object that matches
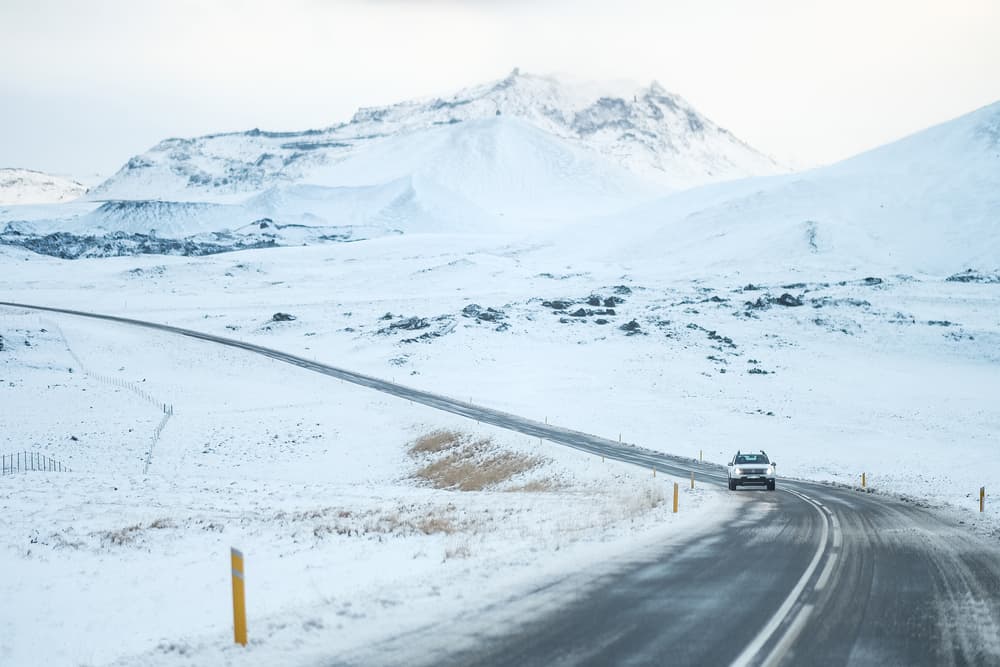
(927, 203)
(504, 166)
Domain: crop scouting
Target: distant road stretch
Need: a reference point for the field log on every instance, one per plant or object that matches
(809, 575)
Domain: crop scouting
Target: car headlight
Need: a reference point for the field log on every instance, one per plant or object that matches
(738, 471)
(770, 470)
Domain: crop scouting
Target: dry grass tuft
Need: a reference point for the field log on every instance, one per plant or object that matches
(130, 534)
(546, 485)
(470, 466)
(122, 536)
(461, 551)
(435, 441)
(435, 524)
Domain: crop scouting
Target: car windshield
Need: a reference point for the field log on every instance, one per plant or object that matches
(751, 458)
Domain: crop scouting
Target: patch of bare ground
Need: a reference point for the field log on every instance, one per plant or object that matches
(456, 462)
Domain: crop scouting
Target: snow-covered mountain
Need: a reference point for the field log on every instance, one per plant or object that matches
(24, 186)
(929, 202)
(648, 131)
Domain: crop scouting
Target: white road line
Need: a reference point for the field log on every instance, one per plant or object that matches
(755, 646)
(793, 631)
(825, 574)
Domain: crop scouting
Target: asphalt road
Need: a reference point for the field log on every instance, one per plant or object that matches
(807, 575)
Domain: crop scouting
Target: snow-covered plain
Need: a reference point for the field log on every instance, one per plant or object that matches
(310, 477)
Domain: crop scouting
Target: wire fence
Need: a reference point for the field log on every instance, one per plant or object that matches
(166, 408)
(28, 461)
(168, 411)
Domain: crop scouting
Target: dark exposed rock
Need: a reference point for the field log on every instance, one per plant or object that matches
(581, 312)
(795, 286)
(787, 299)
(973, 276)
(622, 289)
(600, 320)
(613, 301)
(750, 287)
(411, 324)
(933, 323)
(760, 304)
(631, 328)
(119, 244)
(491, 315)
(557, 304)
(282, 317)
(594, 300)
(1, 343)
(488, 315)
(387, 316)
(871, 281)
(828, 301)
(757, 371)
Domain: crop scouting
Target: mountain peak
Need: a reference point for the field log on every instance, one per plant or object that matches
(651, 132)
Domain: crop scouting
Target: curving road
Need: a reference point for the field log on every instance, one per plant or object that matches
(810, 575)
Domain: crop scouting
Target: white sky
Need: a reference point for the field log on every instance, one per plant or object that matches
(86, 85)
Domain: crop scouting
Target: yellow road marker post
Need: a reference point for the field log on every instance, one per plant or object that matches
(239, 598)
(982, 497)
(692, 479)
(864, 481)
(676, 487)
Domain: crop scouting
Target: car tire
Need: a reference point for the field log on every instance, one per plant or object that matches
(732, 485)
(770, 486)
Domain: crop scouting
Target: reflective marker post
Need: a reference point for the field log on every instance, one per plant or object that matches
(675, 497)
(982, 497)
(239, 599)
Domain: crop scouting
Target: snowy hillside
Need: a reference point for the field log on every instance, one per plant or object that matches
(651, 132)
(24, 186)
(927, 203)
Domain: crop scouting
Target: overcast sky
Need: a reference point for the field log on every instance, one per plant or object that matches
(85, 85)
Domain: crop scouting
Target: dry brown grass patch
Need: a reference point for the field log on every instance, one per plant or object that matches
(435, 441)
(472, 466)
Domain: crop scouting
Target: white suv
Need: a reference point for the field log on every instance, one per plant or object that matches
(751, 470)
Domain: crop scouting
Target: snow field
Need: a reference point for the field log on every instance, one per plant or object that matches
(310, 477)
(891, 378)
